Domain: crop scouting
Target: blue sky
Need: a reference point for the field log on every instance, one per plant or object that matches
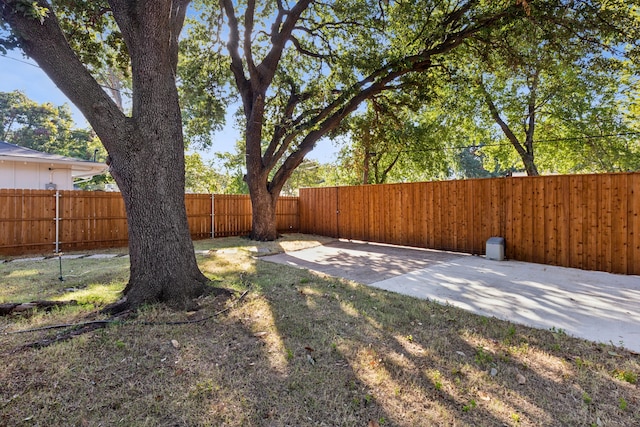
(20, 73)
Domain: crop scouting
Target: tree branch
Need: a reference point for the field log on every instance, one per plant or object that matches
(386, 171)
(496, 117)
(268, 66)
(531, 116)
(249, 16)
(47, 45)
(304, 51)
(237, 68)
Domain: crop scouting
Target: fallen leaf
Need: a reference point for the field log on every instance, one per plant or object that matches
(311, 359)
(484, 396)
(260, 334)
(373, 423)
(309, 349)
(461, 353)
(175, 344)
(521, 379)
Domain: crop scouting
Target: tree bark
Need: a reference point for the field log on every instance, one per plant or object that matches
(146, 150)
(163, 264)
(264, 225)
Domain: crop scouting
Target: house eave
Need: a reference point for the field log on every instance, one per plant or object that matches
(79, 169)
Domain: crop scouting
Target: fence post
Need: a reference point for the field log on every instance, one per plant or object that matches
(57, 219)
(213, 212)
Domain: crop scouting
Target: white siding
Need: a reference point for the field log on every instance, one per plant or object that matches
(35, 176)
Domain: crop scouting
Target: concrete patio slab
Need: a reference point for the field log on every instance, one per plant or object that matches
(102, 256)
(593, 305)
(362, 262)
(38, 258)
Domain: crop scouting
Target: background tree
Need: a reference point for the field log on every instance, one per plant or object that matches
(392, 142)
(551, 87)
(310, 173)
(42, 127)
(200, 176)
(46, 128)
(49, 129)
(146, 148)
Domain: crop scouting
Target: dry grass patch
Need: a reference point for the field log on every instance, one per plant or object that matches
(304, 350)
(38, 280)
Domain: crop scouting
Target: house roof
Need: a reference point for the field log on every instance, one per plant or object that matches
(79, 168)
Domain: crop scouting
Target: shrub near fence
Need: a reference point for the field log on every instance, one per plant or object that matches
(590, 222)
(92, 220)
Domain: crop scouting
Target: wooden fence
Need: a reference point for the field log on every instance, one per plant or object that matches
(590, 222)
(92, 220)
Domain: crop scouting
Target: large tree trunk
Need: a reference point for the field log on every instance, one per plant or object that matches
(146, 150)
(163, 264)
(263, 195)
(149, 165)
(264, 226)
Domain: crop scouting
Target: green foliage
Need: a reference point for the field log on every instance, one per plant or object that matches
(203, 79)
(31, 9)
(44, 127)
(482, 356)
(93, 34)
(309, 174)
(622, 404)
(49, 129)
(392, 142)
(289, 354)
(232, 167)
(552, 90)
(200, 177)
(472, 404)
(625, 375)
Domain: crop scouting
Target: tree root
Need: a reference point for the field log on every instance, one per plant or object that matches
(10, 308)
(76, 329)
(83, 329)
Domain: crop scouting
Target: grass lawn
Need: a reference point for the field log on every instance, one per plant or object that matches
(298, 349)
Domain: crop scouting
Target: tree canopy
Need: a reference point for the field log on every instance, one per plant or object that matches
(552, 89)
(302, 68)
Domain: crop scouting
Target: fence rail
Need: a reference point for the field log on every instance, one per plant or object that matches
(590, 222)
(93, 220)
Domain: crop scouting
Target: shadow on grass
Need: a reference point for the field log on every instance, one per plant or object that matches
(416, 362)
(305, 350)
